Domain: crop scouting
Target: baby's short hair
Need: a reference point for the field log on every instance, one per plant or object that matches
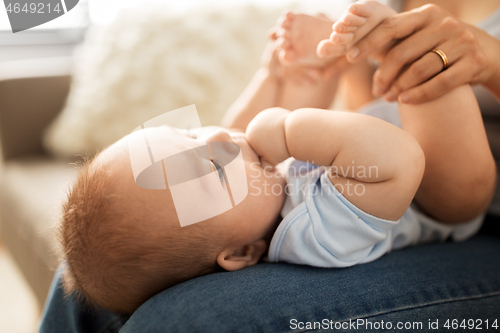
(118, 249)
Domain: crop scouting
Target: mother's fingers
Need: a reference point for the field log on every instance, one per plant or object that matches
(445, 81)
(420, 71)
(460, 48)
(401, 55)
(392, 28)
(426, 67)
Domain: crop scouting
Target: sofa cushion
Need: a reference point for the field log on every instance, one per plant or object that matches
(31, 191)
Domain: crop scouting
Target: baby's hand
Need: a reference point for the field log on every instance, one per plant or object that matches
(266, 134)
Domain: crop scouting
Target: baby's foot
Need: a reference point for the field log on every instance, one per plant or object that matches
(298, 75)
(359, 19)
(300, 35)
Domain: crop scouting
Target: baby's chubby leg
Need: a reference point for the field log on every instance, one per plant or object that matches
(359, 19)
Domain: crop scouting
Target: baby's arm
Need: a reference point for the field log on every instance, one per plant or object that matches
(261, 93)
(384, 162)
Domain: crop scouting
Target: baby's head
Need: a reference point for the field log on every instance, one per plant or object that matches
(123, 244)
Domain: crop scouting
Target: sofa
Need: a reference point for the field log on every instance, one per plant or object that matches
(33, 183)
(32, 92)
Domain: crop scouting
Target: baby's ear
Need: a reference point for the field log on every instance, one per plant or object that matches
(235, 258)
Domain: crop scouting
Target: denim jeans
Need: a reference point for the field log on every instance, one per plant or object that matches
(432, 284)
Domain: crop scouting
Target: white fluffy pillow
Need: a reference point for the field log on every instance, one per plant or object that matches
(148, 62)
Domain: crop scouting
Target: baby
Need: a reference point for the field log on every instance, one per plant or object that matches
(123, 244)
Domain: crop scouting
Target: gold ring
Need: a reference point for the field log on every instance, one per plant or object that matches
(443, 56)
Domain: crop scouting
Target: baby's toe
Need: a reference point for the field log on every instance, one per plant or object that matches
(287, 19)
(286, 43)
(286, 25)
(290, 16)
(327, 49)
(324, 48)
(272, 34)
(280, 21)
(287, 56)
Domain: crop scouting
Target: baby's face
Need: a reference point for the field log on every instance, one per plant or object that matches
(256, 216)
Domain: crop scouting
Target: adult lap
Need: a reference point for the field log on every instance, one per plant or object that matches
(404, 284)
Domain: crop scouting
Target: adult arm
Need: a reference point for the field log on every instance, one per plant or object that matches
(411, 73)
(349, 143)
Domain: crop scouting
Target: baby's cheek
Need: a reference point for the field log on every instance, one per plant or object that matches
(267, 185)
(254, 175)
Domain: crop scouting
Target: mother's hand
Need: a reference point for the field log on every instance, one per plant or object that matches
(409, 71)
